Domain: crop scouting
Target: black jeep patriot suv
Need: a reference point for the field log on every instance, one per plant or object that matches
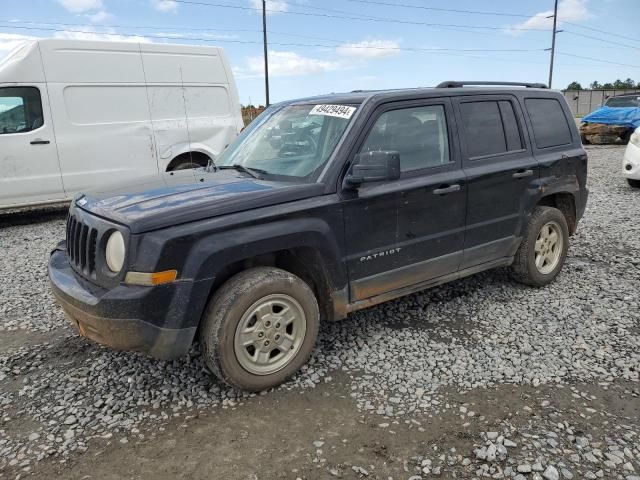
(324, 206)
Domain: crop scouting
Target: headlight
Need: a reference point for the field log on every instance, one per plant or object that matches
(635, 138)
(114, 252)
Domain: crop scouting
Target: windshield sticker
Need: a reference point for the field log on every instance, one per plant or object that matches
(340, 111)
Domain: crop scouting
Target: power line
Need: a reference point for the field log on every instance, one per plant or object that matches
(189, 27)
(344, 45)
(146, 27)
(600, 39)
(450, 10)
(364, 19)
(602, 31)
(246, 30)
(598, 60)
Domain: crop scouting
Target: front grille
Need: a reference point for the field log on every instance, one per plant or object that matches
(81, 245)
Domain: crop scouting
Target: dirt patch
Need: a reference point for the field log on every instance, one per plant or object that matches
(272, 436)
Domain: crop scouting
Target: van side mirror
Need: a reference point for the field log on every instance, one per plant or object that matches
(374, 167)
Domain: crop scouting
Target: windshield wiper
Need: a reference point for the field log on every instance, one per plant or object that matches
(254, 172)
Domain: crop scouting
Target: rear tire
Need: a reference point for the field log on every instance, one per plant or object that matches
(544, 247)
(259, 328)
(633, 183)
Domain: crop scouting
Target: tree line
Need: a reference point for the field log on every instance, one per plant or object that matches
(617, 85)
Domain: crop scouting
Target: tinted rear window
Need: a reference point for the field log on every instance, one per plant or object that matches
(550, 127)
(514, 141)
(491, 127)
(483, 125)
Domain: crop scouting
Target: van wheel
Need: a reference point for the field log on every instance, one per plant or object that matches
(543, 249)
(185, 166)
(633, 183)
(259, 328)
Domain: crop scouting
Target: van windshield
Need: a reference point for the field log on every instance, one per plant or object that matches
(291, 141)
(628, 101)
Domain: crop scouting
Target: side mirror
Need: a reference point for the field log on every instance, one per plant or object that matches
(374, 167)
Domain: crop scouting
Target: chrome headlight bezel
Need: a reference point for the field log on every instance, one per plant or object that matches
(115, 251)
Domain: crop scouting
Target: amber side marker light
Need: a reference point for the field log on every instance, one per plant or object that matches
(151, 279)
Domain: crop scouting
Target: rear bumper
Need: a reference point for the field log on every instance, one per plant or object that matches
(113, 317)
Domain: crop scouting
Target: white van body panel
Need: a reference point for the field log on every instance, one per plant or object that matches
(116, 111)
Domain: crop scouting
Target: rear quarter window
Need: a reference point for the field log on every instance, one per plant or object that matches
(550, 126)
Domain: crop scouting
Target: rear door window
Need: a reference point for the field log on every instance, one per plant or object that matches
(483, 126)
(491, 127)
(511, 130)
(20, 110)
(550, 127)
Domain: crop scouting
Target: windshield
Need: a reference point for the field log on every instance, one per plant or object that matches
(630, 101)
(293, 141)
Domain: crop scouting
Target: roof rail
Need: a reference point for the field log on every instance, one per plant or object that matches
(455, 84)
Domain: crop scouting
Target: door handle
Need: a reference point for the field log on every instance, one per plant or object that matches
(523, 173)
(39, 141)
(443, 190)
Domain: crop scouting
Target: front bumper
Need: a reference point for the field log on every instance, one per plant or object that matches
(127, 317)
(631, 162)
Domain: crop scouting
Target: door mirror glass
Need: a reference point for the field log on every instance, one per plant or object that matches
(375, 166)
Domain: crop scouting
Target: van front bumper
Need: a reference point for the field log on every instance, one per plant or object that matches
(631, 161)
(128, 317)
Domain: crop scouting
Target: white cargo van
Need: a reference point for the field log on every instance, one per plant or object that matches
(78, 114)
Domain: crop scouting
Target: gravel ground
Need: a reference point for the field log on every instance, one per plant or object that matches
(522, 383)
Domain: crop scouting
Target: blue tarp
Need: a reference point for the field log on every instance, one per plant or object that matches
(625, 116)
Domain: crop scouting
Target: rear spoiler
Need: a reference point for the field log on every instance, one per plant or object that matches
(458, 84)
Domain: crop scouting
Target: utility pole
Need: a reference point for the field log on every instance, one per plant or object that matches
(553, 40)
(266, 55)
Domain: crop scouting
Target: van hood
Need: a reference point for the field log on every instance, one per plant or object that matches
(173, 198)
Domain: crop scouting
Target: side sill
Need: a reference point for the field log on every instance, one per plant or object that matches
(401, 292)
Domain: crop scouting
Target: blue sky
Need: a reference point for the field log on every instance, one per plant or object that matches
(312, 51)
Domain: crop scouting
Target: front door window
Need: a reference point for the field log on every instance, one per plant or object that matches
(20, 110)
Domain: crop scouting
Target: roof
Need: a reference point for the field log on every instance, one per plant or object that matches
(359, 96)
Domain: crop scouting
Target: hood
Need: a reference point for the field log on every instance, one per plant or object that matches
(185, 196)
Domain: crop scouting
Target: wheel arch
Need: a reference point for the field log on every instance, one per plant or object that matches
(201, 159)
(566, 203)
(311, 254)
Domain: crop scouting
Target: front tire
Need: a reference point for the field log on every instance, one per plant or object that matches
(544, 247)
(259, 328)
(633, 183)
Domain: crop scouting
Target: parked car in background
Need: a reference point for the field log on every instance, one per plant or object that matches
(631, 160)
(79, 114)
(624, 100)
(613, 122)
(324, 206)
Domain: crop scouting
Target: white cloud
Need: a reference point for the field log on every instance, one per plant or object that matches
(568, 10)
(197, 35)
(100, 16)
(102, 36)
(79, 6)
(369, 49)
(286, 64)
(273, 6)
(9, 41)
(165, 5)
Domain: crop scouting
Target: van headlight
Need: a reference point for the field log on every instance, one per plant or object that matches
(114, 252)
(635, 138)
